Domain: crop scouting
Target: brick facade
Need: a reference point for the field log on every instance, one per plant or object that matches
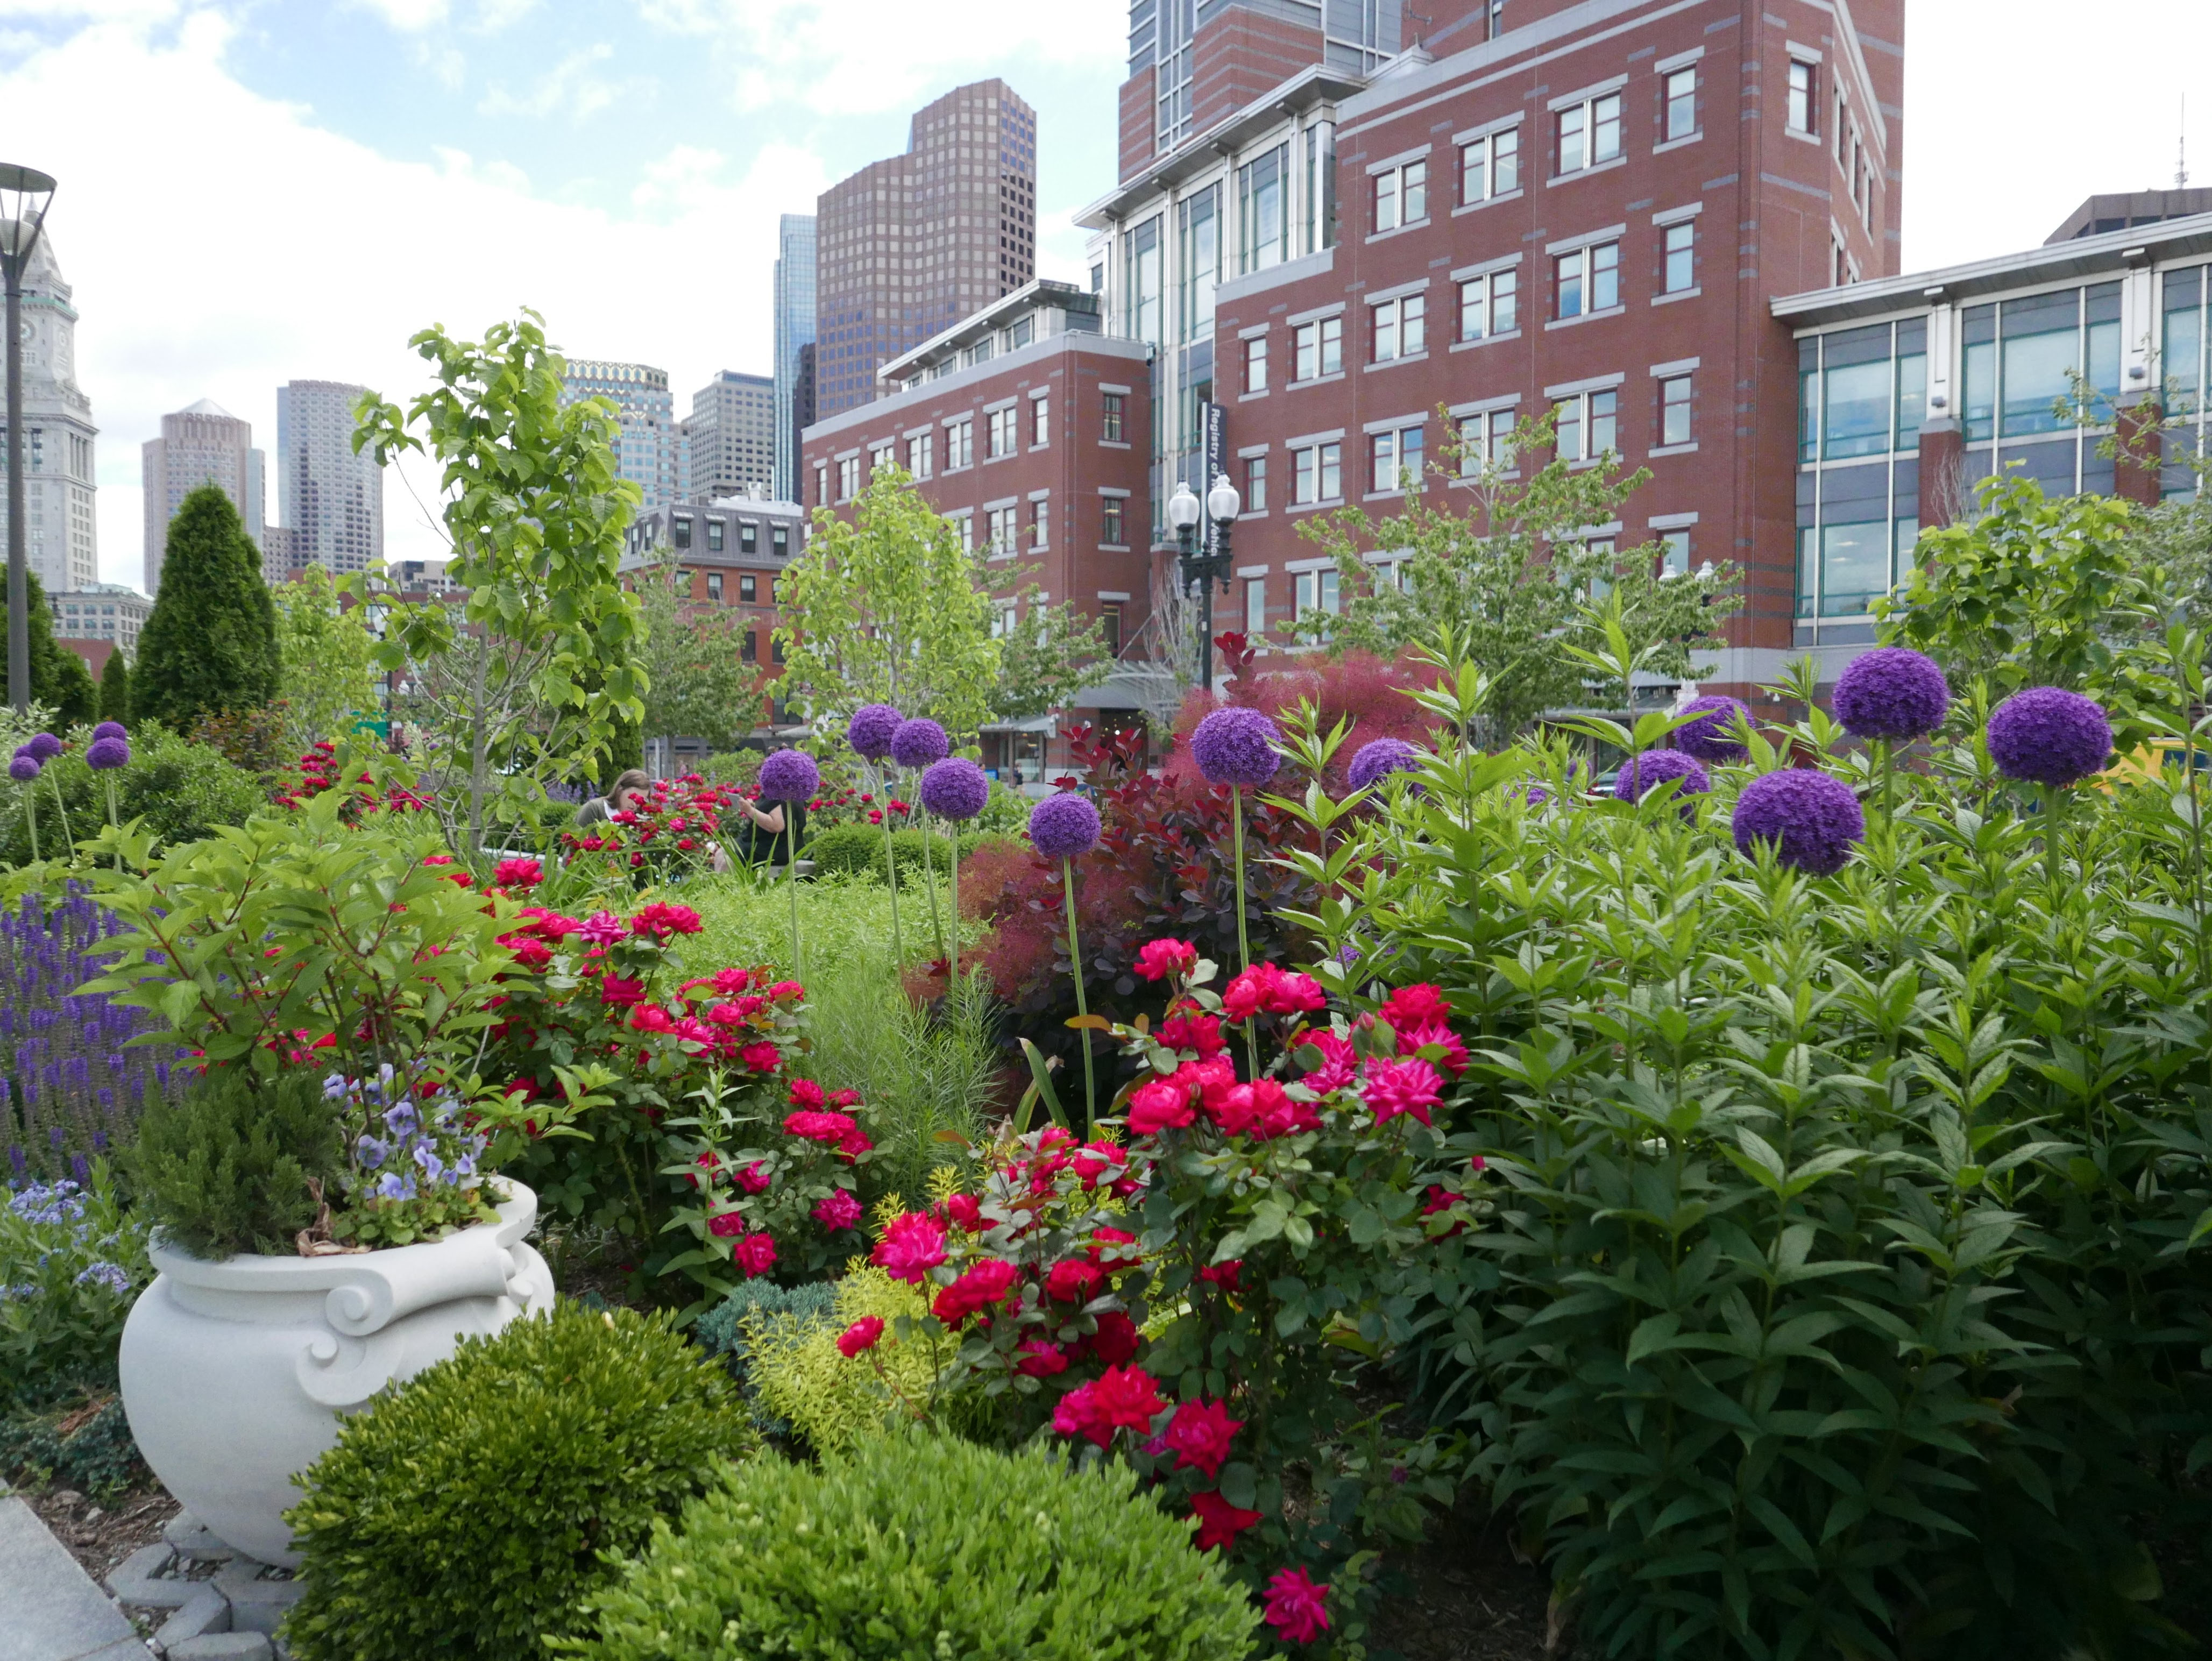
(1239, 55)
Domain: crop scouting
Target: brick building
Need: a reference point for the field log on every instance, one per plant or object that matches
(1581, 207)
(1029, 428)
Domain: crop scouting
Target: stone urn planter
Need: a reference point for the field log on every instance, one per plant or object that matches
(234, 1373)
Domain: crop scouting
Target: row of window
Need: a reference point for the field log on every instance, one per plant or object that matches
(752, 588)
(680, 536)
(1585, 280)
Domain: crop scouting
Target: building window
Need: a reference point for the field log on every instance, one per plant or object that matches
(1113, 529)
(1679, 270)
(1320, 348)
(1109, 619)
(1589, 280)
(748, 538)
(775, 651)
(1320, 186)
(1318, 474)
(849, 477)
(822, 484)
(1256, 607)
(1401, 196)
(679, 531)
(1264, 226)
(1255, 484)
(1801, 97)
(1399, 327)
(1679, 89)
(1674, 552)
(1674, 409)
(1395, 459)
(1003, 618)
(1486, 443)
(1590, 133)
(879, 459)
(749, 646)
(1487, 304)
(1040, 423)
(748, 589)
(781, 541)
(1141, 259)
(1002, 433)
(1004, 523)
(715, 534)
(1111, 429)
(1255, 364)
(1490, 166)
(1317, 590)
(1197, 223)
(1589, 425)
(714, 587)
(1040, 523)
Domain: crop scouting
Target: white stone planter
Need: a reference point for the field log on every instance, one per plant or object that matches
(235, 1374)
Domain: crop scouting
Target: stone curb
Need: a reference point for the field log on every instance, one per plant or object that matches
(232, 1616)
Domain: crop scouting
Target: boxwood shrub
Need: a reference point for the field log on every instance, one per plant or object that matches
(847, 850)
(465, 1515)
(917, 1545)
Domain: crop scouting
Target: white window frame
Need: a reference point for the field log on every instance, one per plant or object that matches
(1483, 156)
(849, 477)
(921, 454)
(1580, 411)
(1003, 531)
(959, 443)
(1669, 81)
(1686, 230)
(1485, 287)
(1318, 590)
(1002, 434)
(1255, 364)
(1312, 466)
(1396, 188)
(1588, 268)
(1391, 438)
(1686, 403)
(1588, 113)
(1040, 419)
(1314, 341)
(1402, 321)
(1801, 98)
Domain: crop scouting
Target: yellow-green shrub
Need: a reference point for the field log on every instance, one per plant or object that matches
(799, 1375)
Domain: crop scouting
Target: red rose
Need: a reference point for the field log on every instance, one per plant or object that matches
(1073, 1281)
(1158, 1106)
(755, 1254)
(1158, 959)
(1199, 1433)
(1115, 1343)
(806, 1093)
(1415, 1006)
(913, 1244)
(1220, 1523)
(987, 1283)
(761, 1057)
(1188, 1029)
(964, 1213)
(728, 1226)
(1223, 1275)
(860, 1335)
(1039, 1359)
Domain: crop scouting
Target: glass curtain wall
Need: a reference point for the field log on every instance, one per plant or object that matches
(1862, 398)
(2182, 371)
(2020, 359)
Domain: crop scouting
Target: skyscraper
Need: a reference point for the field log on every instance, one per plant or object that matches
(909, 245)
(732, 436)
(200, 443)
(60, 542)
(330, 501)
(652, 452)
(794, 328)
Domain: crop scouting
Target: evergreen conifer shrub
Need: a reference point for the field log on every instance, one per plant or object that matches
(210, 645)
(58, 677)
(115, 689)
(923, 1546)
(469, 1513)
(231, 1165)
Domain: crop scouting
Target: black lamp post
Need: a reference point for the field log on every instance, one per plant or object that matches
(25, 194)
(1222, 505)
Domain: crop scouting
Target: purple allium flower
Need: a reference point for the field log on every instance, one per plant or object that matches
(872, 729)
(1656, 766)
(1064, 825)
(111, 729)
(1891, 692)
(789, 775)
(2050, 736)
(1812, 818)
(107, 752)
(1235, 746)
(955, 789)
(44, 746)
(1377, 760)
(917, 743)
(1711, 736)
(24, 767)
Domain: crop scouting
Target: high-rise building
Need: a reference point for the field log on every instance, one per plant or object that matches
(731, 433)
(100, 611)
(795, 330)
(802, 416)
(907, 247)
(60, 542)
(329, 499)
(200, 443)
(652, 452)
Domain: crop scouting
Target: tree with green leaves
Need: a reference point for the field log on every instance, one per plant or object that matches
(59, 680)
(115, 688)
(1047, 653)
(1508, 577)
(2033, 590)
(540, 665)
(702, 687)
(210, 647)
(329, 677)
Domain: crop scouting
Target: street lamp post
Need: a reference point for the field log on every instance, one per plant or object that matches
(1222, 505)
(25, 194)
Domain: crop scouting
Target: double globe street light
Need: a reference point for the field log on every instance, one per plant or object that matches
(1222, 505)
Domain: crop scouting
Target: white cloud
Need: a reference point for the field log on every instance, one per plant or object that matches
(848, 56)
(272, 249)
(568, 88)
(410, 16)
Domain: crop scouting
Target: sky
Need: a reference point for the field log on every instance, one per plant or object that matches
(259, 191)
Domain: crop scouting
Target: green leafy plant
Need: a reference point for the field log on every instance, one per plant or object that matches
(470, 1513)
(846, 850)
(239, 1163)
(178, 791)
(721, 1331)
(71, 1260)
(797, 1372)
(328, 681)
(84, 1444)
(915, 1546)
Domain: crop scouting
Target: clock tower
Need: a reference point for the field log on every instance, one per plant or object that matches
(62, 544)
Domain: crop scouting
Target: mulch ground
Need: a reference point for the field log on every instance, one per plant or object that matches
(1462, 1596)
(100, 1536)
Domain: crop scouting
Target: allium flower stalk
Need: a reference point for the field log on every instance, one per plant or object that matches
(916, 743)
(790, 776)
(1237, 747)
(956, 790)
(870, 732)
(2054, 738)
(1886, 697)
(110, 750)
(1064, 827)
(24, 769)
